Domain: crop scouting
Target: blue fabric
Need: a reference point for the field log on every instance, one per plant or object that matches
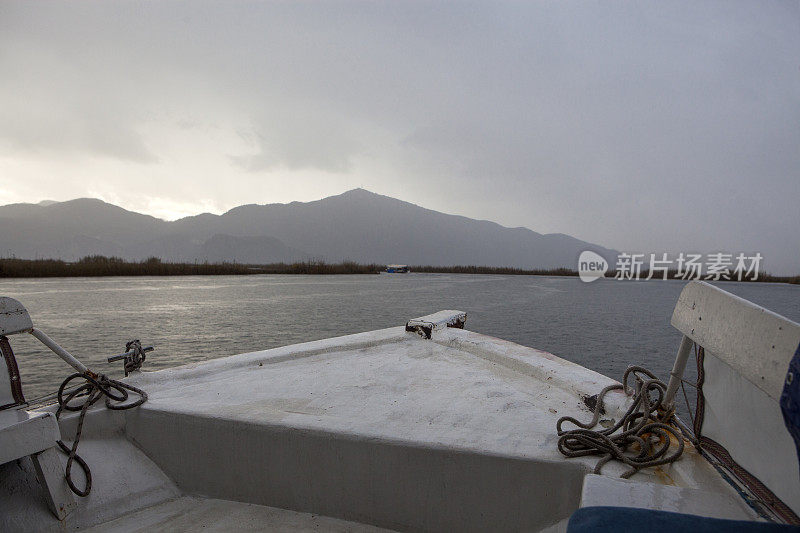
(790, 400)
(625, 519)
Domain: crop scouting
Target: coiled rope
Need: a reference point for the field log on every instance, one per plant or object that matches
(646, 433)
(96, 387)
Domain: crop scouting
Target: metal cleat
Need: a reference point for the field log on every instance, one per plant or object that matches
(134, 356)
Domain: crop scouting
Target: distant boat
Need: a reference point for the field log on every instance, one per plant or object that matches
(397, 269)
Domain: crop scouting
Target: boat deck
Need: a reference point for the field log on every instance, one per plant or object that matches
(190, 514)
(386, 428)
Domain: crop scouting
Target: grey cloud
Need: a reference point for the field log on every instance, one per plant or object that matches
(299, 139)
(48, 105)
(637, 126)
(36, 134)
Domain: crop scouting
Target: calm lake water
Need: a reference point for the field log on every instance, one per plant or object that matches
(605, 325)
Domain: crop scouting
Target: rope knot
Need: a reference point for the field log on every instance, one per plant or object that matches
(642, 437)
(95, 387)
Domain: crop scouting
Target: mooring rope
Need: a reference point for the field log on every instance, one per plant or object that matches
(95, 388)
(646, 433)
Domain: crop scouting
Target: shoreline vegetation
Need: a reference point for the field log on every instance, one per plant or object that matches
(96, 266)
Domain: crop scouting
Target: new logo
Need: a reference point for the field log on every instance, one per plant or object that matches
(591, 266)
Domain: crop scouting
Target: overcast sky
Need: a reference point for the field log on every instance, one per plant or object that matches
(639, 126)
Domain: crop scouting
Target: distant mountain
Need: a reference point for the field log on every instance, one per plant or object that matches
(358, 225)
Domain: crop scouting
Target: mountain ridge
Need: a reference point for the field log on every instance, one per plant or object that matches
(356, 225)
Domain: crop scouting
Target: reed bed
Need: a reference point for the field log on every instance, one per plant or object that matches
(98, 265)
